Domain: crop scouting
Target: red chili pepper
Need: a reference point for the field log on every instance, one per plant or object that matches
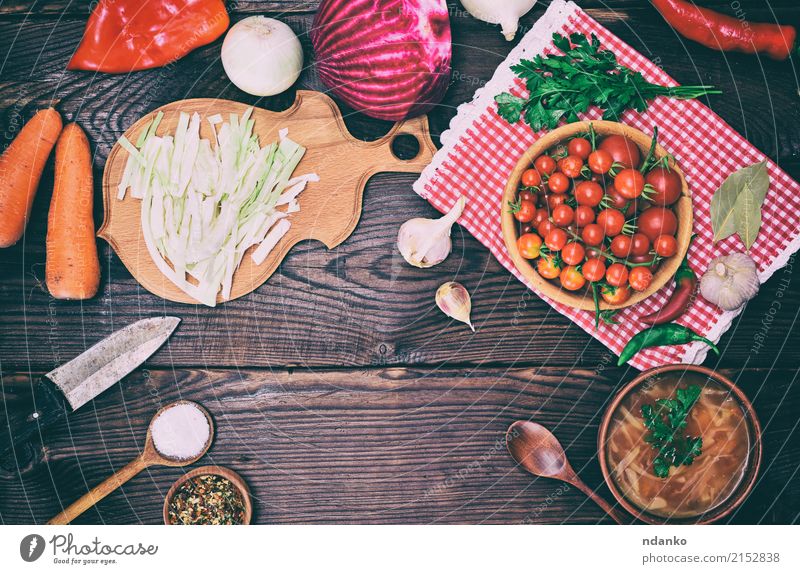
(685, 283)
(128, 35)
(727, 33)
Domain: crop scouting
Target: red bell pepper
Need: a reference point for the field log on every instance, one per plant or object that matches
(127, 35)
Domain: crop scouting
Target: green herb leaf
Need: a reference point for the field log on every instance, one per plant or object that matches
(736, 205)
(666, 422)
(562, 86)
(510, 107)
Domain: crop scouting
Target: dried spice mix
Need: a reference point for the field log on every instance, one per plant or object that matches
(207, 499)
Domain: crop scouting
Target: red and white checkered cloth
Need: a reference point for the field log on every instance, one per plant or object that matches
(480, 150)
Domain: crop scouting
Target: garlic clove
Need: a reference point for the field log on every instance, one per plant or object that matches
(454, 301)
(426, 242)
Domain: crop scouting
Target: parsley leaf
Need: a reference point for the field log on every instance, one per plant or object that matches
(666, 422)
(561, 86)
(510, 107)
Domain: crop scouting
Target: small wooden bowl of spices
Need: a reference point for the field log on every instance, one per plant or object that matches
(208, 495)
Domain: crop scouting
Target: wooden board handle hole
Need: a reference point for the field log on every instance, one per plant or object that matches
(406, 147)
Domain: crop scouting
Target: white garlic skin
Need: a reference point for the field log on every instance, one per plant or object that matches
(504, 12)
(426, 242)
(730, 281)
(409, 242)
(454, 301)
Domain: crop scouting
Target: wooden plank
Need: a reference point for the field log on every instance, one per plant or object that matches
(375, 446)
(359, 304)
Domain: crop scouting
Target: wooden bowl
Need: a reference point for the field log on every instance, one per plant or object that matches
(753, 462)
(583, 299)
(235, 479)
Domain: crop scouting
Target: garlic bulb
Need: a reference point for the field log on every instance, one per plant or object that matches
(504, 12)
(426, 242)
(454, 301)
(262, 56)
(730, 281)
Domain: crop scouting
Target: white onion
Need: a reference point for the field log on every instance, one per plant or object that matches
(504, 12)
(262, 56)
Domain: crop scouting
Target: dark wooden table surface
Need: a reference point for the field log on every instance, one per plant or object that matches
(340, 393)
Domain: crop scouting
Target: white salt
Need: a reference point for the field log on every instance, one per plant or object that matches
(181, 432)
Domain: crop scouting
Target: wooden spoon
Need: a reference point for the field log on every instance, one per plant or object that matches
(149, 457)
(536, 450)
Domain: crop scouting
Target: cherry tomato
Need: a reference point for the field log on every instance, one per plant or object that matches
(621, 246)
(657, 221)
(665, 245)
(612, 221)
(526, 195)
(615, 200)
(641, 258)
(617, 274)
(556, 199)
(623, 151)
(525, 212)
(629, 183)
(556, 239)
(640, 244)
(588, 193)
(600, 161)
(593, 269)
(592, 235)
(531, 178)
(580, 147)
(573, 253)
(595, 253)
(545, 227)
(558, 183)
(615, 295)
(545, 164)
(571, 278)
(640, 278)
(563, 215)
(529, 245)
(667, 185)
(584, 215)
(541, 215)
(526, 228)
(547, 267)
(571, 166)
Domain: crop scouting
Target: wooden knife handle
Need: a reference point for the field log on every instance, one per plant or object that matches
(100, 491)
(47, 406)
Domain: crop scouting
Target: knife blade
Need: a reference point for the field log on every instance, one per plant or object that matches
(73, 384)
(95, 370)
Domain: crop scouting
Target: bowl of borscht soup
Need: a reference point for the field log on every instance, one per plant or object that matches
(680, 444)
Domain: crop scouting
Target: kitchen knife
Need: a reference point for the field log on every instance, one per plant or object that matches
(77, 382)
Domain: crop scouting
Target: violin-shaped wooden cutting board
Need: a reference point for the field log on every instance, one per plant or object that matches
(329, 209)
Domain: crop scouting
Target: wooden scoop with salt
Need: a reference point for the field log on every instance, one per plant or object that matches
(179, 434)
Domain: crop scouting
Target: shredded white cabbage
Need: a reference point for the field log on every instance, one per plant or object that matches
(204, 204)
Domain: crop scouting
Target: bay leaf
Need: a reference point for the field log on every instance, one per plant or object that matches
(726, 217)
(748, 216)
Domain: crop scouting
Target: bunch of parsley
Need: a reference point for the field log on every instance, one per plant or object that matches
(667, 423)
(562, 86)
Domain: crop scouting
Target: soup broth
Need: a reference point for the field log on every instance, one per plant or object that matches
(689, 490)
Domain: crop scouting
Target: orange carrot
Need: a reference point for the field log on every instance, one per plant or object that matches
(73, 269)
(21, 167)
